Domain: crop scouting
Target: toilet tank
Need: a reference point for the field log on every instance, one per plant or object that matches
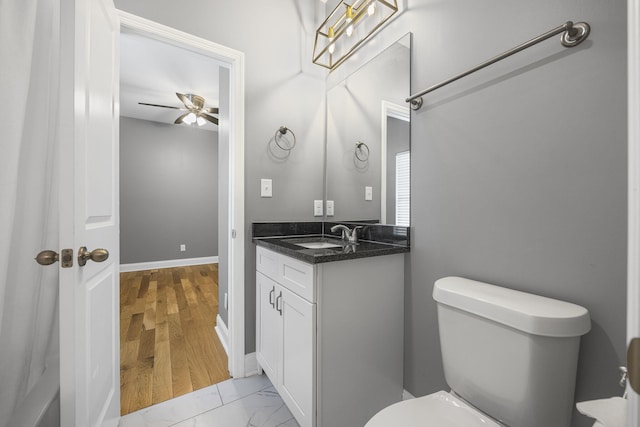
(511, 354)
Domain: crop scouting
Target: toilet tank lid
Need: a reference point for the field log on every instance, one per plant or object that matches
(529, 313)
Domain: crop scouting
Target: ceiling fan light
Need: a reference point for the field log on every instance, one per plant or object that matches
(190, 119)
(201, 121)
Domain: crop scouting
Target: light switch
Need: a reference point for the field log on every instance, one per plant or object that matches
(329, 207)
(368, 193)
(317, 208)
(266, 188)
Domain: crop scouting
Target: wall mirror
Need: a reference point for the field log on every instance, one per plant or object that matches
(368, 148)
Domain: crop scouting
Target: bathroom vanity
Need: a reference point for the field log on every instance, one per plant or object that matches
(330, 326)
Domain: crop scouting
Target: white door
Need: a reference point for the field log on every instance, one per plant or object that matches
(89, 213)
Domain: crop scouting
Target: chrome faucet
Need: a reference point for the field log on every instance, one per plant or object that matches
(349, 235)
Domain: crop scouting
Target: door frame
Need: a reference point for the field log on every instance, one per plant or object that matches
(234, 61)
(400, 112)
(633, 262)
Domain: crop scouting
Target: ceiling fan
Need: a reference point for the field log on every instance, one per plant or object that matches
(196, 113)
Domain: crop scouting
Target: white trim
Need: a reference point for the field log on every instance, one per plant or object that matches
(406, 395)
(401, 112)
(223, 333)
(152, 265)
(234, 61)
(633, 254)
(251, 365)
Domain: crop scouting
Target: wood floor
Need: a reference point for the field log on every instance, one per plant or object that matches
(168, 345)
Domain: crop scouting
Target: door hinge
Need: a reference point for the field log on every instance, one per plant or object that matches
(633, 364)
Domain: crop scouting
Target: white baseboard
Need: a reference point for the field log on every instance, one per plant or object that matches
(406, 395)
(223, 333)
(152, 265)
(251, 366)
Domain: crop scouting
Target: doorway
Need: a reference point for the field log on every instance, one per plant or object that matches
(231, 191)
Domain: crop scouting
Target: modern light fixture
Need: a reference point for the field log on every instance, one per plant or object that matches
(347, 27)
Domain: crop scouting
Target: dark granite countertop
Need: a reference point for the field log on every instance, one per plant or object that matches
(279, 240)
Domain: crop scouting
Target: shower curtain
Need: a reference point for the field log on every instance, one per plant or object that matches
(29, 54)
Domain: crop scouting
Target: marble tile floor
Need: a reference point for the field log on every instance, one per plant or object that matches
(243, 402)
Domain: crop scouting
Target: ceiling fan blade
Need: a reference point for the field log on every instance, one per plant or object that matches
(209, 118)
(211, 110)
(158, 105)
(185, 100)
(179, 119)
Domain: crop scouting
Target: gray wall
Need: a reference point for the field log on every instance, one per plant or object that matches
(168, 191)
(519, 171)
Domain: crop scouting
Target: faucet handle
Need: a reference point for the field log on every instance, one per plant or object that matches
(354, 234)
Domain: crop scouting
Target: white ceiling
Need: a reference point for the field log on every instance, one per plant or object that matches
(152, 71)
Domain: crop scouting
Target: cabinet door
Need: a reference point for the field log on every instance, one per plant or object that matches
(298, 355)
(268, 327)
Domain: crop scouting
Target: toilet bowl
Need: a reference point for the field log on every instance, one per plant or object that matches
(509, 357)
(440, 409)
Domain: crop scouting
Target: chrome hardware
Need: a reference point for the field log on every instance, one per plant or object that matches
(572, 35)
(280, 133)
(271, 292)
(279, 303)
(349, 235)
(633, 364)
(49, 257)
(623, 376)
(96, 255)
(360, 152)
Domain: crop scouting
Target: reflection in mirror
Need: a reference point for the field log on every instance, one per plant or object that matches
(367, 160)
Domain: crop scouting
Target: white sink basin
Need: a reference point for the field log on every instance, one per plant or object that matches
(318, 245)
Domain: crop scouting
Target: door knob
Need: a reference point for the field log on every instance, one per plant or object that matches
(96, 255)
(49, 257)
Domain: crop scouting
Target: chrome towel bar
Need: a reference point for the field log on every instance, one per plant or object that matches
(573, 35)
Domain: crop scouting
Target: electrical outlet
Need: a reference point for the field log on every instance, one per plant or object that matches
(317, 208)
(183, 248)
(266, 188)
(329, 207)
(368, 193)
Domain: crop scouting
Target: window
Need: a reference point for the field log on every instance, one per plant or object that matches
(403, 194)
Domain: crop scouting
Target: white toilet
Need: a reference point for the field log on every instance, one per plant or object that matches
(509, 357)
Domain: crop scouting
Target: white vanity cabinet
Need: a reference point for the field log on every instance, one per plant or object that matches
(330, 335)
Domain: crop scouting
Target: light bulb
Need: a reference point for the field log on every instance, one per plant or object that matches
(371, 9)
(330, 36)
(349, 14)
(189, 119)
(349, 30)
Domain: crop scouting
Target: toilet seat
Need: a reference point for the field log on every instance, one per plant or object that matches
(440, 409)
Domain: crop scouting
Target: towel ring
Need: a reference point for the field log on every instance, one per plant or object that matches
(362, 156)
(280, 133)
